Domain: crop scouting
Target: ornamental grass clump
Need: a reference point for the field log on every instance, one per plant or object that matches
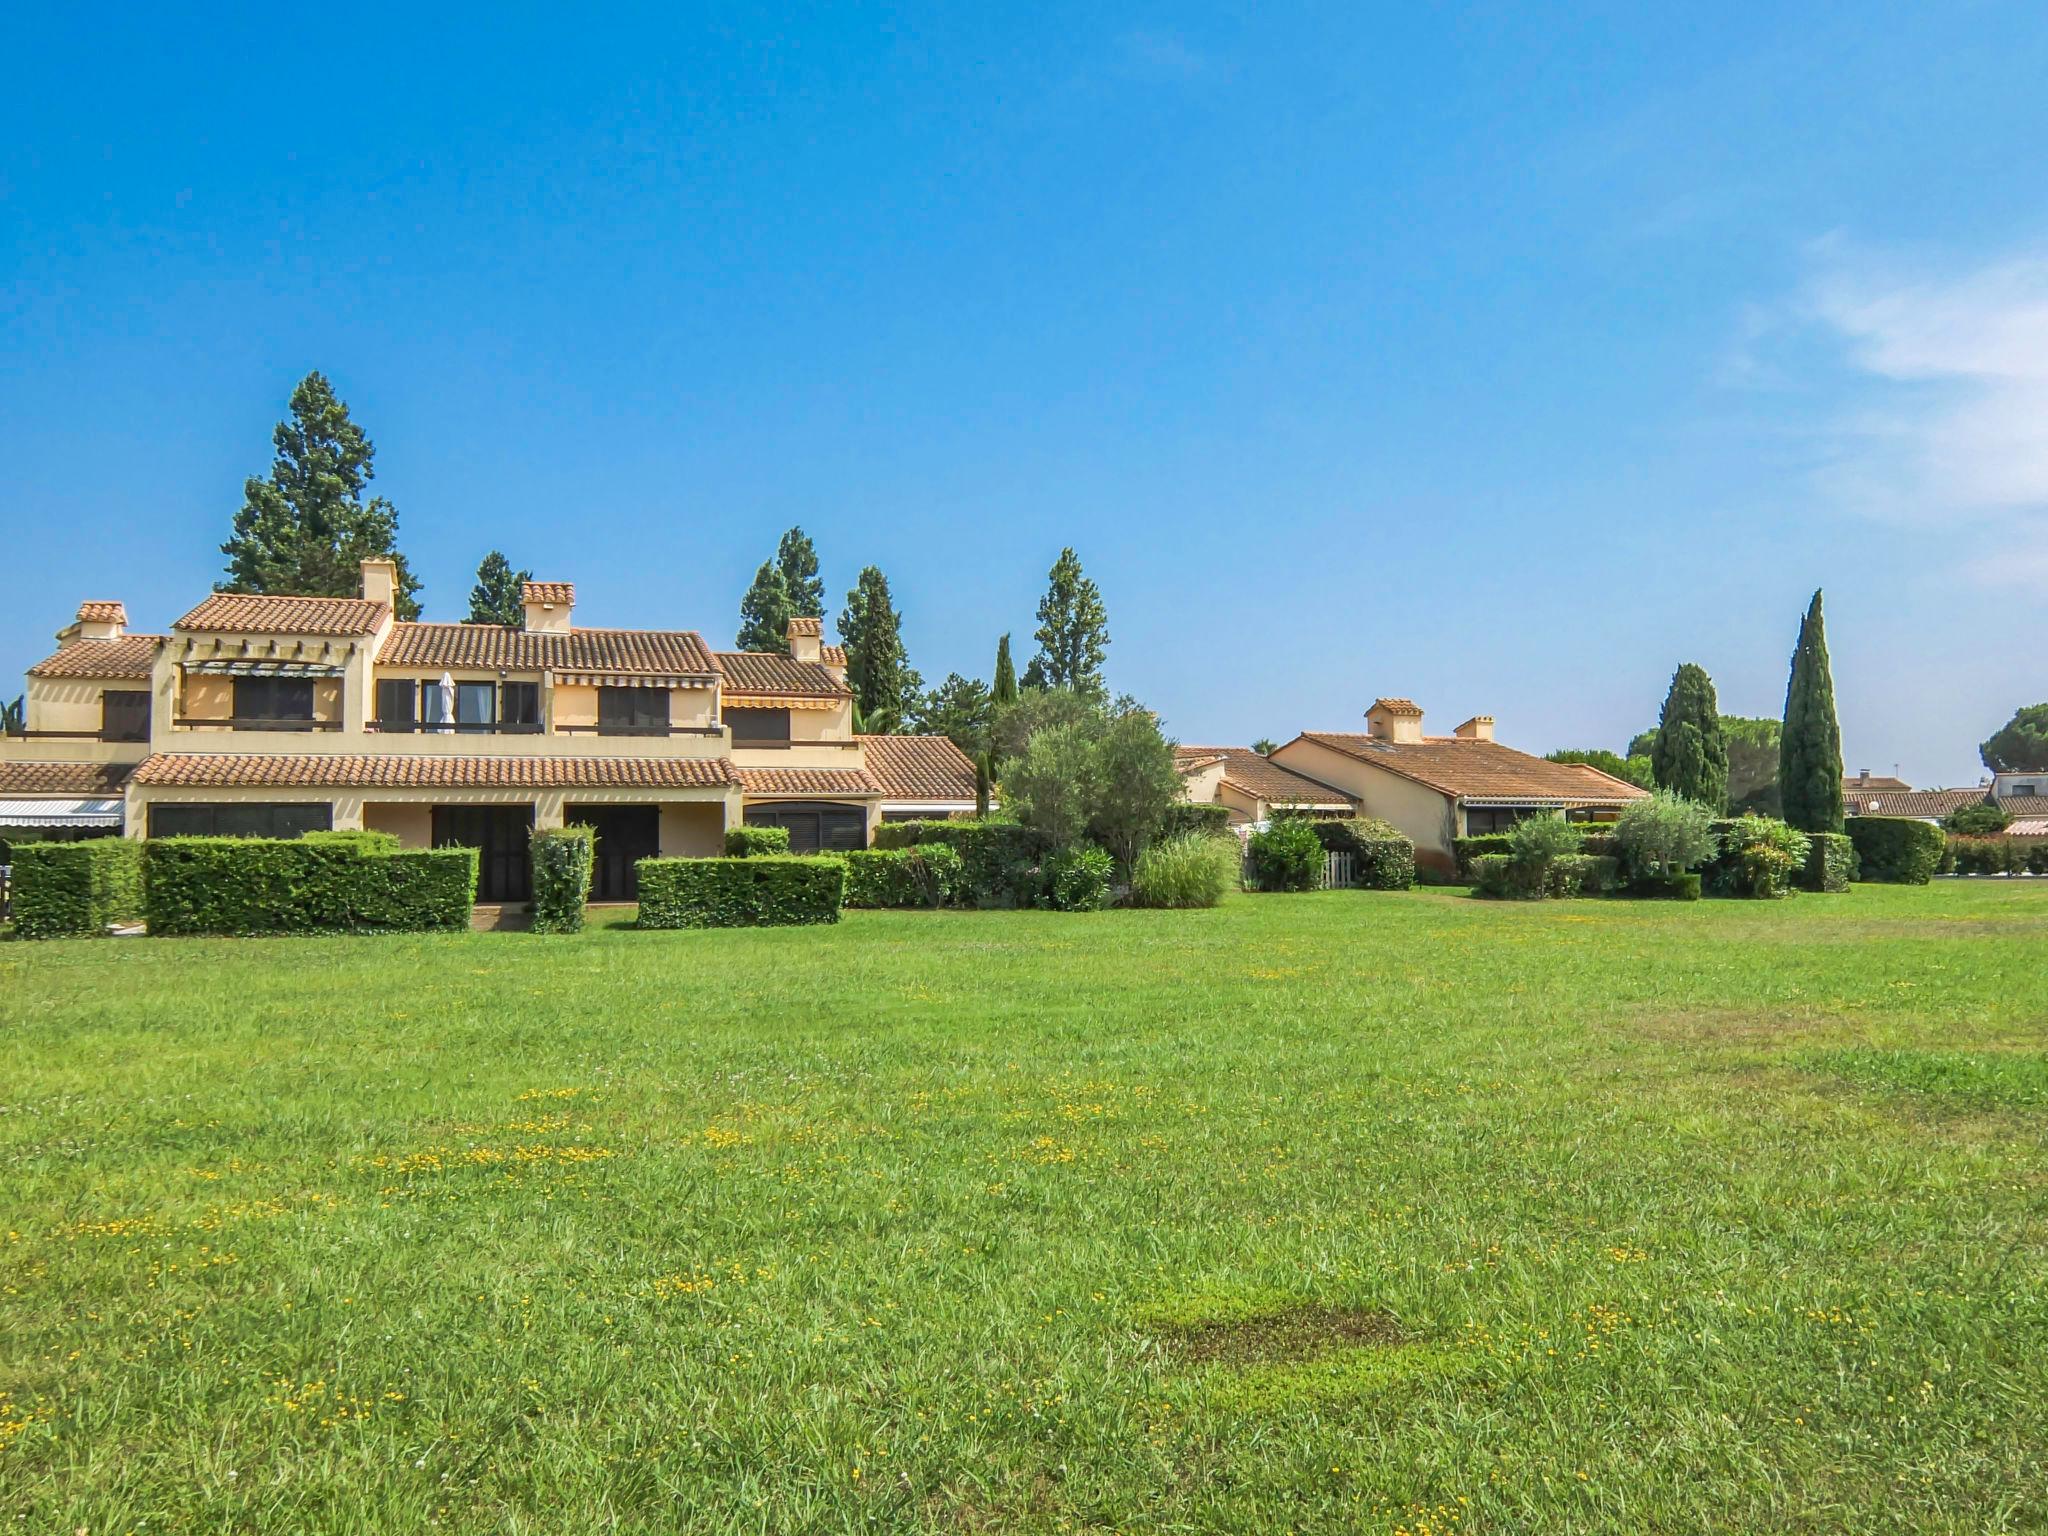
(1191, 870)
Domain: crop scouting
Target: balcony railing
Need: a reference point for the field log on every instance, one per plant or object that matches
(455, 727)
(247, 723)
(142, 736)
(639, 730)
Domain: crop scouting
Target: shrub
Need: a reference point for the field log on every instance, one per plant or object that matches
(1189, 870)
(1383, 859)
(1494, 874)
(76, 890)
(563, 858)
(315, 884)
(1685, 887)
(1666, 834)
(1830, 862)
(362, 840)
(1287, 856)
(745, 842)
(1978, 856)
(1581, 874)
(1758, 858)
(1187, 816)
(999, 859)
(1536, 840)
(1896, 849)
(1466, 849)
(929, 876)
(1501, 876)
(1984, 819)
(760, 891)
(1077, 878)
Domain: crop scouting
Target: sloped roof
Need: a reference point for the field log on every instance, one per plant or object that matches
(771, 672)
(809, 781)
(233, 770)
(1259, 776)
(658, 652)
(1876, 781)
(1396, 707)
(919, 767)
(83, 779)
(1922, 803)
(832, 655)
(93, 611)
(129, 656)
(558, 594)
(244, 613)
(1480, 770)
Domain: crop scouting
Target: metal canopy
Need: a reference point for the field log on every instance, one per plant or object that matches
(266, 668)
(60, 813)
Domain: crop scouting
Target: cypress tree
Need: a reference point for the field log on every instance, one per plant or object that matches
(1072, 634)
(797, 558)
(983, 784)
(1004, 693)
(885, 689)
(1810, 746)
(1690, 755)
(495, 597)
(765, 612)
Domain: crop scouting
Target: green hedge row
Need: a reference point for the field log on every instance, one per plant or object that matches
(324, 882)
(1997, 856)
(764, 891)
(1600, 844)
(1896, 849)
(928, 876)
(76, 890)
(1189, 816)
(563, 860)
(744, 842)
(1567, 875)
(999, 859)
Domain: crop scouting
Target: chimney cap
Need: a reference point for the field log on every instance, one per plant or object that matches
(94, 611)
(548, 594)
(798, 625)
(1395, 707)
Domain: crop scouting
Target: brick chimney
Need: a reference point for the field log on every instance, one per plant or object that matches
(806, 639)
(98, 621)
(380, 580)
(1395, 720)
(1478, 728)
(548, 606)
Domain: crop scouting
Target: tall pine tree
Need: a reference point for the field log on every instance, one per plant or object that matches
(1690, 755)
(1072, 634)
(1810, 746)
(885, 689)
(797, 558)
(1004, 693)
(306, 530)
(764, 612)
(495, 597)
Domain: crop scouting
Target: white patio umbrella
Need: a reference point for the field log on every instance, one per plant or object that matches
(447, 688)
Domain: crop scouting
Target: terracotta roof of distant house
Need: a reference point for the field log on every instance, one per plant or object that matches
(96, 612)
(1259, 776)
(771, 672)
(2031, 806)
(1481, 770)
(228, 770)
(805, 626)
(1922, 803)
(808, 781)
(919, 767)
(659, 652)
(1878, 781)
(1397, 706)
(91, 780)
(557, 594)
(129, 656)
(832, 655)
(243, 613)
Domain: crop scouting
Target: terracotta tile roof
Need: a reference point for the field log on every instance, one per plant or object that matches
(771, 672)
(558, 594)
(1397, 707)
(243, 613)
(1922, 803)
(658, 652)
(804, 626)
(1261, 777)
(129, 656)
(1480, 770)
(92, 612)
(919, 767)
(2033, 807)
(832, 655)
(809, 781)
(1875, 781)
(85, 780)
(232, 770)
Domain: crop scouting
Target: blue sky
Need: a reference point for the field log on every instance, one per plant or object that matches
(1497, 359)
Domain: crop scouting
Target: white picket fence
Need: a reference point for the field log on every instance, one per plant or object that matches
(1340, 872)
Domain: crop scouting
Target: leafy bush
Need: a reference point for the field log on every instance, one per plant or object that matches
(1684, 887)
(1186, 816)
(1077, 878)
(1830, 862)
(345, 883)
(1494, 874)
(1287, 856)
(999, 859)
(1383, 859)
(1564, 875)
(1759, 856)
(759, 891)
(1983, 819)
(744, 842)
(1466, 849)
(1666, 834)
(1536, 840)
(1581, 874)
(1190, 870)
(563, 859)
(928, 876)
(76, 890)
(1978, 856)
(1896, 849)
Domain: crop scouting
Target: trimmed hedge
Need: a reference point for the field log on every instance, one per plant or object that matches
(762, 891)
(745, 842)
(1685, 887)
(1996, 856)
(1382, 859)
(563, 861)
(929, 876)
(1185, 816)
(1830, 862)
(999, 859)
(321, 883)
(1897, 850)
(76, 890)
(1601, 844)
(1565, 876)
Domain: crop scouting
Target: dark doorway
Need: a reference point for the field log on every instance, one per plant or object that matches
(814, 826)
(626, 834)
(499, 833)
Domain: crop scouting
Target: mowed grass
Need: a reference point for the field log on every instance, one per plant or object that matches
(1345, 1212)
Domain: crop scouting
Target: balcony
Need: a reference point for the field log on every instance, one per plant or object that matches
(250, 723)
(455, 727)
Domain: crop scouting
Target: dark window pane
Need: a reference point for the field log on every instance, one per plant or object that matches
(273, 698)
(632, 711)
(397, 698)
(522, 704)
(255, 819)
(762, 727)
(124, 715)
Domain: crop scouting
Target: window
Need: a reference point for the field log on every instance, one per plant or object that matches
(397, 704)
(267, 700)
(758, 727)
(1480, 822)
(476, 706)
(816, 827)
(236, 819)
(632, 711)
(124, 715)
(521, 707)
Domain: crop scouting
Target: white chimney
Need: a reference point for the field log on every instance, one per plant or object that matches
(380, 580)
(1478, 728)
(806, 639)
(1395, 720)
(548, 605)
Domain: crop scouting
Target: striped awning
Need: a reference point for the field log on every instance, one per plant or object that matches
(630, 680)
(782, 701)
(60, 813)
(266, 668)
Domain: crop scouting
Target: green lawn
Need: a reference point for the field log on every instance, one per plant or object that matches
(1346, 1212)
